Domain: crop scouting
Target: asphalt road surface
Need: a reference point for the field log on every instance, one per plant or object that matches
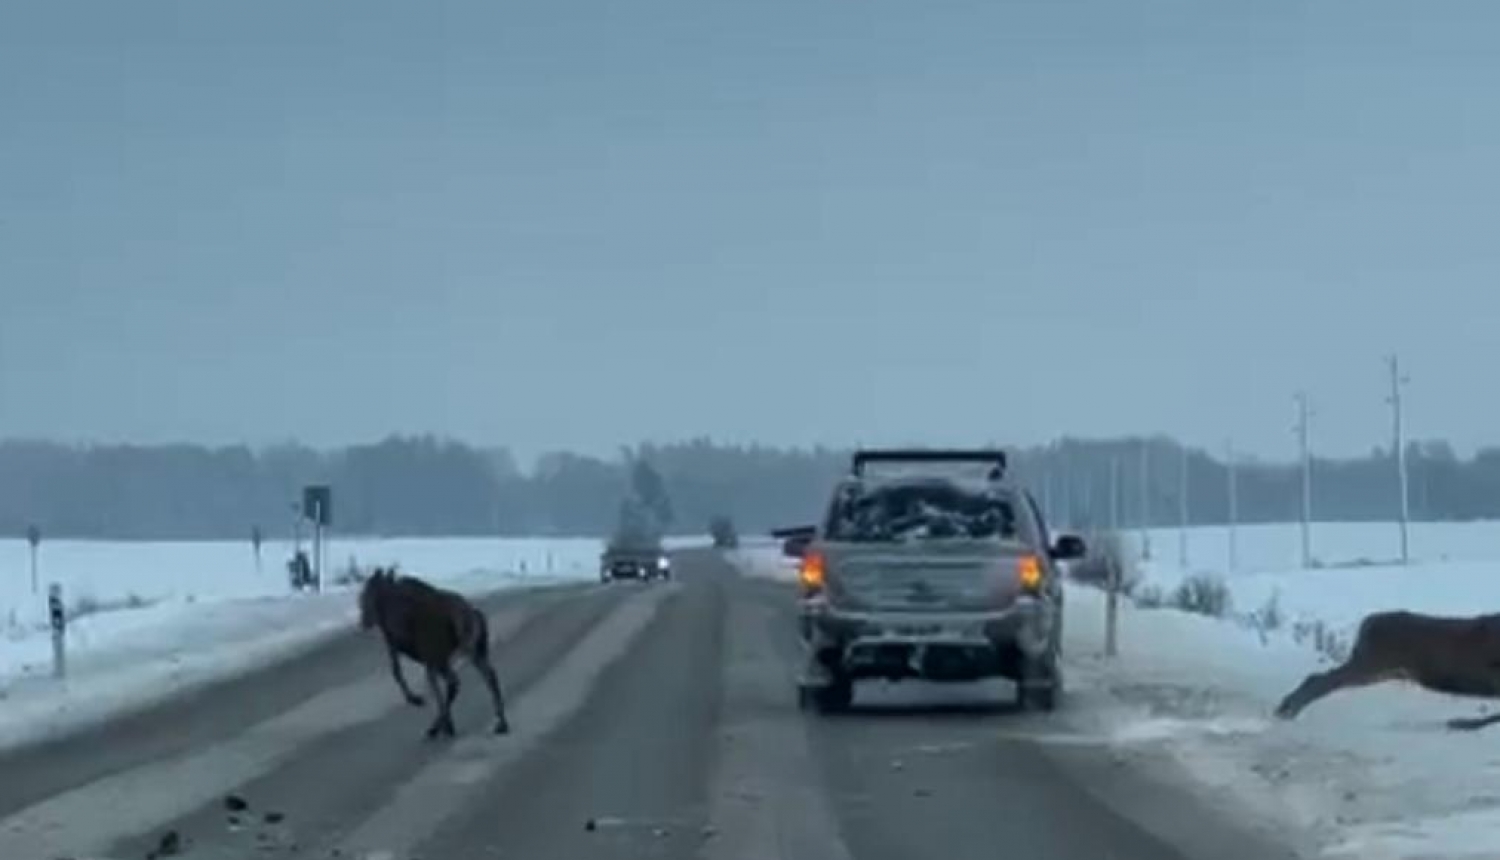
(650, 721)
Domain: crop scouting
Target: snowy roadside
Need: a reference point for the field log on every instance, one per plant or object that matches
(1371, 774)
(136, 652)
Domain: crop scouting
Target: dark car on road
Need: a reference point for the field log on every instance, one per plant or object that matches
(634, 562)
(927, 572)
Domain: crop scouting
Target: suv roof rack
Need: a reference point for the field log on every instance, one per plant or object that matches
(992, 456)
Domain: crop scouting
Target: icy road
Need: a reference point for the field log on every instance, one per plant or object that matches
(650, 721)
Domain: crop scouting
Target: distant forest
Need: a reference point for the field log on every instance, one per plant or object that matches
(413, 486)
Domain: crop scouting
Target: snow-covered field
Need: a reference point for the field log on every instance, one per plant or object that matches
(1365, 774)
(149, 619)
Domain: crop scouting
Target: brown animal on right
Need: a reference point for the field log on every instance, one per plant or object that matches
(1458, 656)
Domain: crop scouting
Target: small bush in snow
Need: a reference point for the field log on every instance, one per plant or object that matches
(351, 575)
(1202, 594)
(91, 605)
(1323, 639)
(1269, 616)
(1150, 596)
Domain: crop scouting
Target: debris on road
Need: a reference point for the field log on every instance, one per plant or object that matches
(170, 845)
(235, 803)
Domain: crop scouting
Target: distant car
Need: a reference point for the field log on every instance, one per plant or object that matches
(644, 563)
(926, 575)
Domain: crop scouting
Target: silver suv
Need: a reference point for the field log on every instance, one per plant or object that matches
(926, 573)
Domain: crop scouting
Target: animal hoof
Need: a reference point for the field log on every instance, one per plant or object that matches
(1463, 724)
(416, 701)
(502, 727)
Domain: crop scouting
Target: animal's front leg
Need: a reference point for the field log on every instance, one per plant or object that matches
(400, 676)
(443, 722)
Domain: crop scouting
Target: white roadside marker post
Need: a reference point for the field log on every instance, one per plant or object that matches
(58, 617)
(34, 540)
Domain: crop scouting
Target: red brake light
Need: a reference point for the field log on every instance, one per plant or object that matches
(810, 574)
(1029, 572)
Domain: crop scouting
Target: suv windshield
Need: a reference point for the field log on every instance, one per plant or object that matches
(921, 510)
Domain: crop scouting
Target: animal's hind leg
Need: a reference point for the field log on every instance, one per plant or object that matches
(450, 678)
(1320, 684)
(1469, 724)
(443, 722)
(487, 672)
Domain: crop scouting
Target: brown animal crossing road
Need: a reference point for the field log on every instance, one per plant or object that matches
(650, 721)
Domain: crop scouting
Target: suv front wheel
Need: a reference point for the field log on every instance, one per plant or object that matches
(1040, 685)
(831, 698)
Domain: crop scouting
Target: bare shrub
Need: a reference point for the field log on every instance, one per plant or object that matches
(1150, 596)
(1203, 594)
(351, 575)
(88, 604)
(1323, 638)
(1269, 616)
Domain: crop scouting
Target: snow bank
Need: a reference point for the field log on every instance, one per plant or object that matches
(202, 612)
(111, 570)
(1372, 773)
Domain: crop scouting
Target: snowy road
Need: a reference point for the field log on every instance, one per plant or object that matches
(652, 721)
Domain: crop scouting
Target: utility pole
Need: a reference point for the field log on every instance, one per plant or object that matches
(1114, 494)
(1304, 444)
(1399, 444)
(1112, 586)
(1182, 510)
(1047, 510)
(1067, 493)
(1090, 501)
(1145, 502)
(1231, 468)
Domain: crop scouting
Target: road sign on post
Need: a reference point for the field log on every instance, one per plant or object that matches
(317, 504)
(34, 538)
(58, 618)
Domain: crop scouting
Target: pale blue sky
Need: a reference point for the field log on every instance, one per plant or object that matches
(575, 223)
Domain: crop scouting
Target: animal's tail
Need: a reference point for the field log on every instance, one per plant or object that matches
(479, 644)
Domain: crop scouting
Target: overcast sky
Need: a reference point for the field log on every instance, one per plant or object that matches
(574, 223)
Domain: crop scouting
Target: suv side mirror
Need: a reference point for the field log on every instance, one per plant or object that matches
(1069, 548)
(796, 547)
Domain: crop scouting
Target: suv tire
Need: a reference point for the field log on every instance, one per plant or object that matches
(832, 698)
(1040, 685)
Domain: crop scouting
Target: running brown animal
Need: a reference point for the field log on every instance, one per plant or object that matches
(430, 626)
(1458, 656)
